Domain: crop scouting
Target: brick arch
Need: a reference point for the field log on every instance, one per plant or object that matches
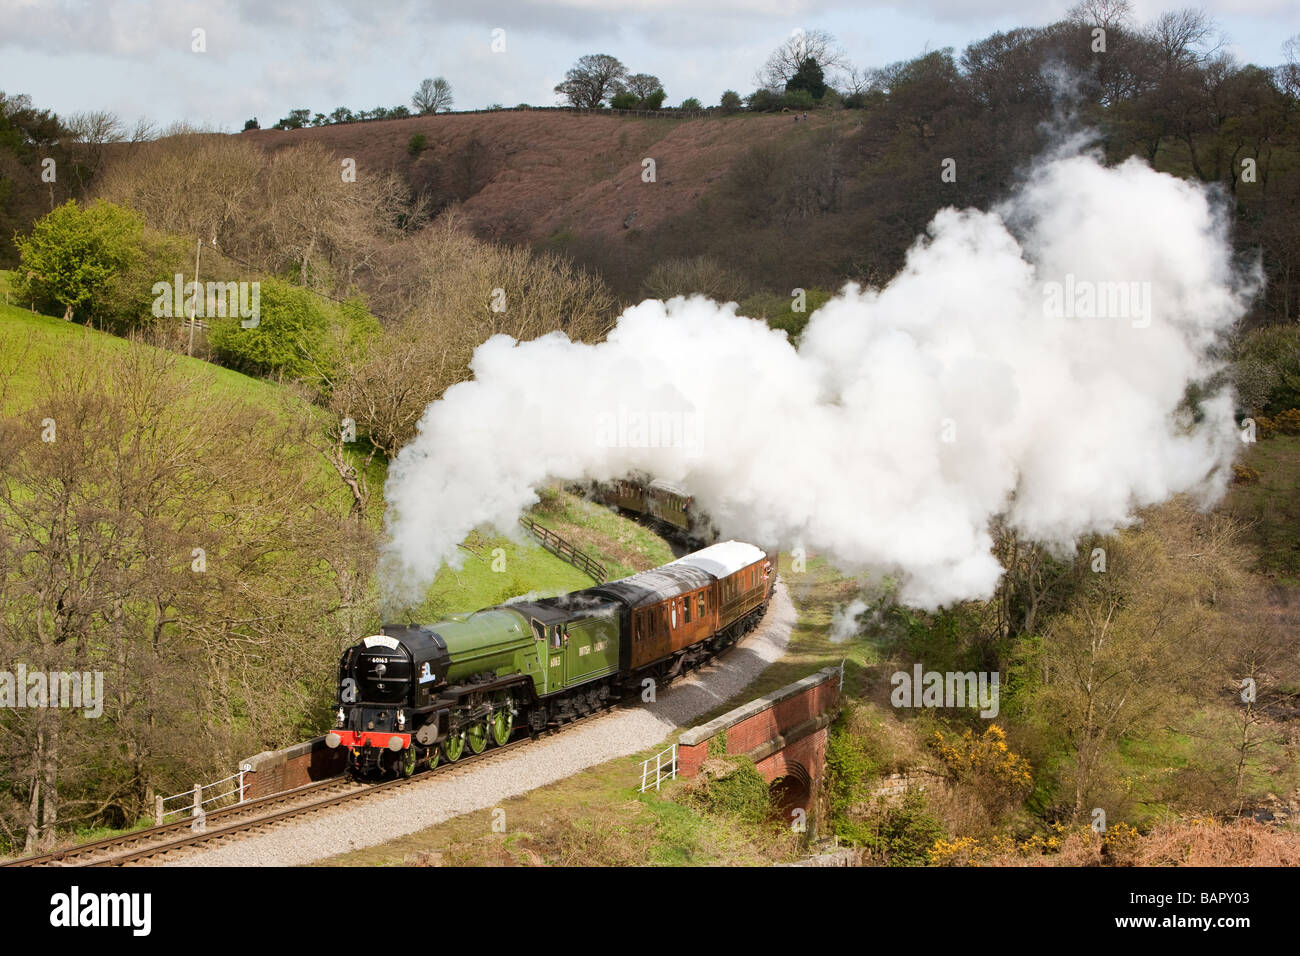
(792, 789)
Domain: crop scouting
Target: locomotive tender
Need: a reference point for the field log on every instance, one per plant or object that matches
(421, 694)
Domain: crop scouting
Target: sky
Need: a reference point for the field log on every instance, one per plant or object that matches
(265, 57)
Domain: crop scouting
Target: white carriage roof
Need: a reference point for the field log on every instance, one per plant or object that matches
(669, 486)
(722, 559)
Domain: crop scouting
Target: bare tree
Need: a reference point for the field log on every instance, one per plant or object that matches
(786, 59)
(1107, 14)
(96, 127)
(143, 130)
(1288, 74)
(92, 131)
(855, 80)
(432, 95)
(1182, 36)
(592, 80)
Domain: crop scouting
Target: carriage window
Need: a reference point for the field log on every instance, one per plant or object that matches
(701, 604)
(539, 631)
(686, 608)
(674, 612)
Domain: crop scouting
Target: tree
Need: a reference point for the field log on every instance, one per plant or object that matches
(809, 78)
(699, 276)
(432, 95)
(691, 104)
(643, 85)
(730, 101)
(298, 335)
(1107, 14)
(1288, 74)
(386, 389)
(251, 124)
(593, 79)
(96, 127)
(74, 254)
(193, 551)
(296, 119)
(29, 137)
(786, 59)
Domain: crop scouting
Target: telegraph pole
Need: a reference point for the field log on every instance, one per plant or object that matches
(194, 308)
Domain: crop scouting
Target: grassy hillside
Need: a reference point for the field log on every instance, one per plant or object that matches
(531, 176)
(34, 340)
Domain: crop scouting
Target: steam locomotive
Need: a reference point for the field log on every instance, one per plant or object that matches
(414, 695)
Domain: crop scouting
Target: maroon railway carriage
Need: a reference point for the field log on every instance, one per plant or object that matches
(682, 612)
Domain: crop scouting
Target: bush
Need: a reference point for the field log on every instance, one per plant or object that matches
(1267, 369)
(298, 335)
(624, 100)
(778, 310)
(909, 832)
(416, 144)
(731, 101)
(700, 275)
(763, 101)
(691, 104)
(1288, 422)
(798, 100)
(732, 785)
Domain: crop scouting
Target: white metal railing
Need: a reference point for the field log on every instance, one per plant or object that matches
(662, 770)
(196, 800)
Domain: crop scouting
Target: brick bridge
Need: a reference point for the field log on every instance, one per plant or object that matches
(784, 733)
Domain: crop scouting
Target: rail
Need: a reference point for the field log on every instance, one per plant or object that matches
(662, 770)
(196, 800)
(565, 551)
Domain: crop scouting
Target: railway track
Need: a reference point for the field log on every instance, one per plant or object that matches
(244, 819)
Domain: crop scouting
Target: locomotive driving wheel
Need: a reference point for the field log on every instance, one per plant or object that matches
(453, 747)
(503, 725)
(477, 735)
(407, 761)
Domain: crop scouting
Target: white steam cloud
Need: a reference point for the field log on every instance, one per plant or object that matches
(846, 620)
(1027, 362)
